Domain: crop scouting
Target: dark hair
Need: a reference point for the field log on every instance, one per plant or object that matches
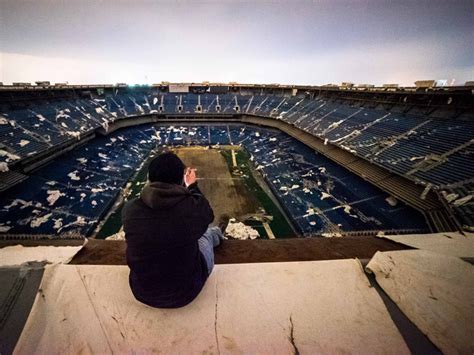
(166, 167)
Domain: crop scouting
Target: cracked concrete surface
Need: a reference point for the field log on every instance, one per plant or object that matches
(278, 308)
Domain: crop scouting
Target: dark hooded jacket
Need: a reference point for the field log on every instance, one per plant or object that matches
(162, 229)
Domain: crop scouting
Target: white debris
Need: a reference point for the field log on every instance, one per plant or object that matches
(307, 191)
(80, 221)
(449, 197)
(326, 141)
(96, 190)
(322, 169)
(82, 160)
(41, 118)
(99, 110)
(37, 221)
(273, 139)
(58, 223)
(117, 236)
(103, 156)
(94, 203)
(463, 200)
(3, 167)
(51, 183)
(331, 235)
(257, 134)
(283, 188)
(324, 195)
(75, 134)
(73, 175)
(309, 212)
(17, 202)
(294, 187)
(312, 223)
(53, 196)
(23, 142)
(83, 196)
(4, 228)
(238, 230)
(392, 201)
(334, 125)
(11, 156)
(155, 100)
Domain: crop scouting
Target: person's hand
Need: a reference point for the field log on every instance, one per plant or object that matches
(190, 176)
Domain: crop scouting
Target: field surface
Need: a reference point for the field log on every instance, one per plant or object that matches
(226, 194)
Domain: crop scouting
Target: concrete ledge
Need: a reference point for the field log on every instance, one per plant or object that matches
(105, 252)
(284, 308)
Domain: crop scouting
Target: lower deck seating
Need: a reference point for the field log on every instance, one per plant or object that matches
(73, 193)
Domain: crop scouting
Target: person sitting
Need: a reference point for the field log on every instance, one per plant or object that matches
(169, 244)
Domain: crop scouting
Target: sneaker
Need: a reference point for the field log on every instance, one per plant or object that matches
(223, 222)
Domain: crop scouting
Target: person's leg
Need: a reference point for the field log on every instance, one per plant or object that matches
(210, 239)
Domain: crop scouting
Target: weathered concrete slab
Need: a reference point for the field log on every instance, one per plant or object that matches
(306, 307)
(434, 291)
(449, 243)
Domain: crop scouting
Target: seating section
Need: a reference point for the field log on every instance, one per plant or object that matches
(72, 194)
(426, 150)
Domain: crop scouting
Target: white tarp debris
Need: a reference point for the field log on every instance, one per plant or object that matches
(276, 307)
(18, 254)
(120, 235)
(73, 176)
(82, 160)
(434, 291)
(238, 230)
(75, 134)
(39, 220)
(463, 200)
(11, 156)
(448, 243)
(392, 201)
(53, 196)
(23, 142)
(3, 167)
(331, 235)
(4, 228)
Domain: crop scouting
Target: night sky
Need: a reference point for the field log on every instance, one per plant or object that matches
(287, 42)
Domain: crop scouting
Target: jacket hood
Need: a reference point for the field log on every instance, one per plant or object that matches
(161, 195)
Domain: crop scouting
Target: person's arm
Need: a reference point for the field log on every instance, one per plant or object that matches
(200, 203)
